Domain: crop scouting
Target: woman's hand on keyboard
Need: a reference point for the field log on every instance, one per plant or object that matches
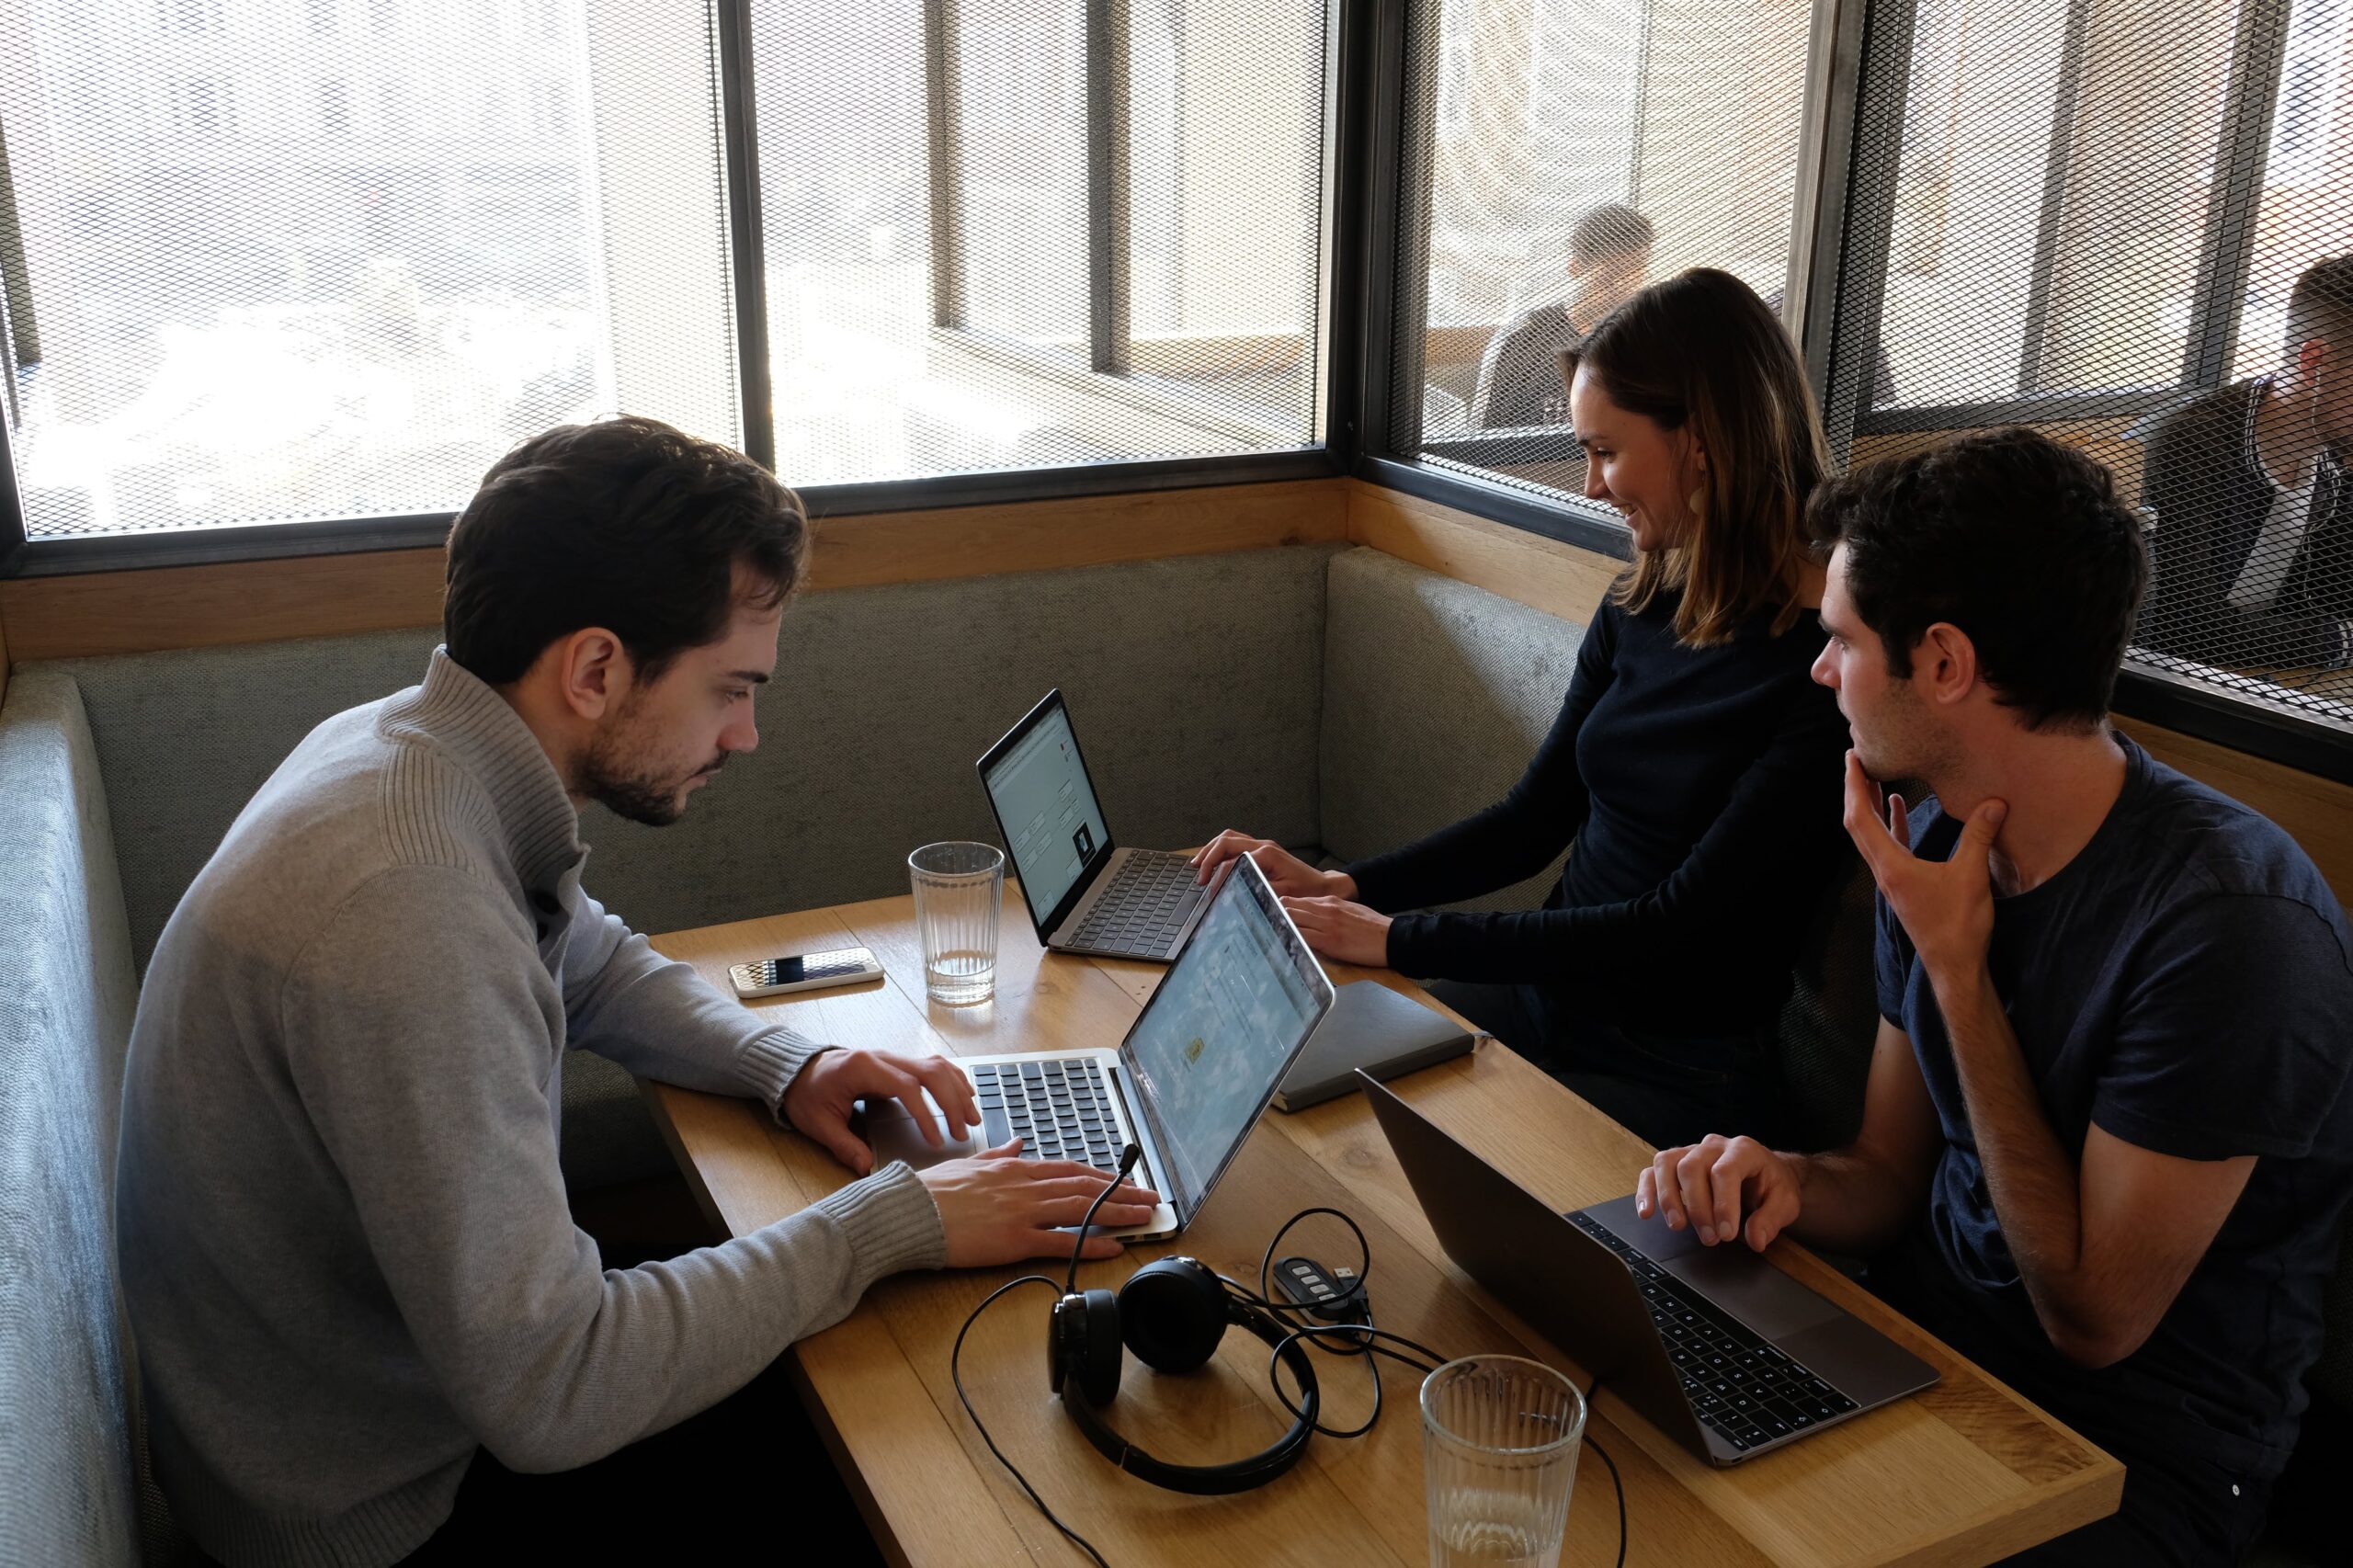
(998, 1208)
(1288, 874)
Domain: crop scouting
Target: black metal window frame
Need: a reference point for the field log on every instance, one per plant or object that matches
(1373, 240)
(2226, 246)
(1106, 373)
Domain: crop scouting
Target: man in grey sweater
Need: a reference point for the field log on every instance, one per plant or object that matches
(347, 1251)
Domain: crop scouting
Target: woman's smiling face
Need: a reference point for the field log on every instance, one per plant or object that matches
(1649, 473)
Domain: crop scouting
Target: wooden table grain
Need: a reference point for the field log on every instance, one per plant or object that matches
(1962, 1474)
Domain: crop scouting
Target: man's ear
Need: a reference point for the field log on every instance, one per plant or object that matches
(2313, 362)
(1944, 665)
(593, 672)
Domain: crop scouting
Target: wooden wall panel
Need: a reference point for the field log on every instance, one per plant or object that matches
(206, 606)
(1528, 568)
(976, 541)
(262, 601)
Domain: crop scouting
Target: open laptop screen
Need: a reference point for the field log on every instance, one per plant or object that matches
(1046, 807)
(1217, 1034)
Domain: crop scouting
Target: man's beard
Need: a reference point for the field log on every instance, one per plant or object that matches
(624, 784)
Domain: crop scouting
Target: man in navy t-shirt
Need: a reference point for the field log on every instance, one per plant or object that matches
(2106, 1140)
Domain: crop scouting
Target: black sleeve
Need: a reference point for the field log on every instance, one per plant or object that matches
(2188, 478)
(1517, 835)
(1517, 372)
(1771, 849)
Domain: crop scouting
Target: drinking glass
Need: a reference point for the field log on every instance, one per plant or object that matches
(1500, 1436)
(958, 889)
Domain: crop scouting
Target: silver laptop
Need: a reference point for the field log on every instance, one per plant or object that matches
(1189, 1083)
(1086, 894)
(1713, 1344)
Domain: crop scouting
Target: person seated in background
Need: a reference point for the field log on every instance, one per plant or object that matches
(345, 1247)
(1519, 376)
(2253, 545)
(1520, 381)
(1694, 760)
(2106, 1145)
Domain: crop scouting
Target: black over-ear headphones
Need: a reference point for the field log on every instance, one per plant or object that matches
(1171, 1312)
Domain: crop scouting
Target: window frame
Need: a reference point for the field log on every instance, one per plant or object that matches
(730, 23)
(2226, 246)
(1372, 249)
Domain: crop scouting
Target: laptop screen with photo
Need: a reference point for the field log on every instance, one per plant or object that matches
(1047, 809)
(1215, 1038)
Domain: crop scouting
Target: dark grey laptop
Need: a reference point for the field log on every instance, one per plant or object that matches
(1713, 1344)
(1085, 893)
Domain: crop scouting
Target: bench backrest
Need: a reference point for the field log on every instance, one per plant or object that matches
(68, 1492)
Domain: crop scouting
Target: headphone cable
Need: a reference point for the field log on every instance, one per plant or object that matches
(1128, 1158)
(956, 1376)
(1617, 1482)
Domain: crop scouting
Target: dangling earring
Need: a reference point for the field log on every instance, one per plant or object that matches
(1700, 502)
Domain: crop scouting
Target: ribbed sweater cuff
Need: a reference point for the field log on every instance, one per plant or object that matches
(889, 1222)
(770, 1061)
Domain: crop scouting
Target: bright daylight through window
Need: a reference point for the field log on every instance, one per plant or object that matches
(1021, 233)
(273, 260)
(329, 259)
(2095, 219)
(1561, 153)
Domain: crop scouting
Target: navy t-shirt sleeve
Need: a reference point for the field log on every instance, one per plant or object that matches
(2214, 1056)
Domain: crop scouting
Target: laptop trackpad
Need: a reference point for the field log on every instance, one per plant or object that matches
(1751, 1289)
(892, 1134)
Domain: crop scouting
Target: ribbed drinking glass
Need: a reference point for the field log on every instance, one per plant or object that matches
(958, 889)
(1500, 1436)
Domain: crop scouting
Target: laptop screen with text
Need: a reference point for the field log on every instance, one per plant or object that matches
(1215, 1041)
(1053, 825)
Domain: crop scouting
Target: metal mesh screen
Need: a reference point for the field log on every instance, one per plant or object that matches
(1016, 233)
(2092, 217)
(1560, 153)
(280, 259)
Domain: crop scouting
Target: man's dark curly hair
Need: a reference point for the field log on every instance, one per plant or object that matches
(627, 524)
(2015, 538)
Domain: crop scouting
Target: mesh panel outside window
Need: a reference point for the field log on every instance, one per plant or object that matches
(283, 259)
(1006, 233)
(1670, 127)
(280, 259)
(2092, 217)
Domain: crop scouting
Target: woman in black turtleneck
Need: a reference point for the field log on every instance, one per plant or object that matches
(1694, 763)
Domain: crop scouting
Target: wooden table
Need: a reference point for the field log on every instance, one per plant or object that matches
(1964, 1473)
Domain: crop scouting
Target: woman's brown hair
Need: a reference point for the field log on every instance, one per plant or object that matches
(1700, 351)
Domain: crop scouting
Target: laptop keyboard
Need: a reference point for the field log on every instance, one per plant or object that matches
(1747, 1391)
(1143, 908)
(1060, 1109)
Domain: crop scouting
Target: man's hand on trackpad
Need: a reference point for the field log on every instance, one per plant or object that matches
(832, 1083)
